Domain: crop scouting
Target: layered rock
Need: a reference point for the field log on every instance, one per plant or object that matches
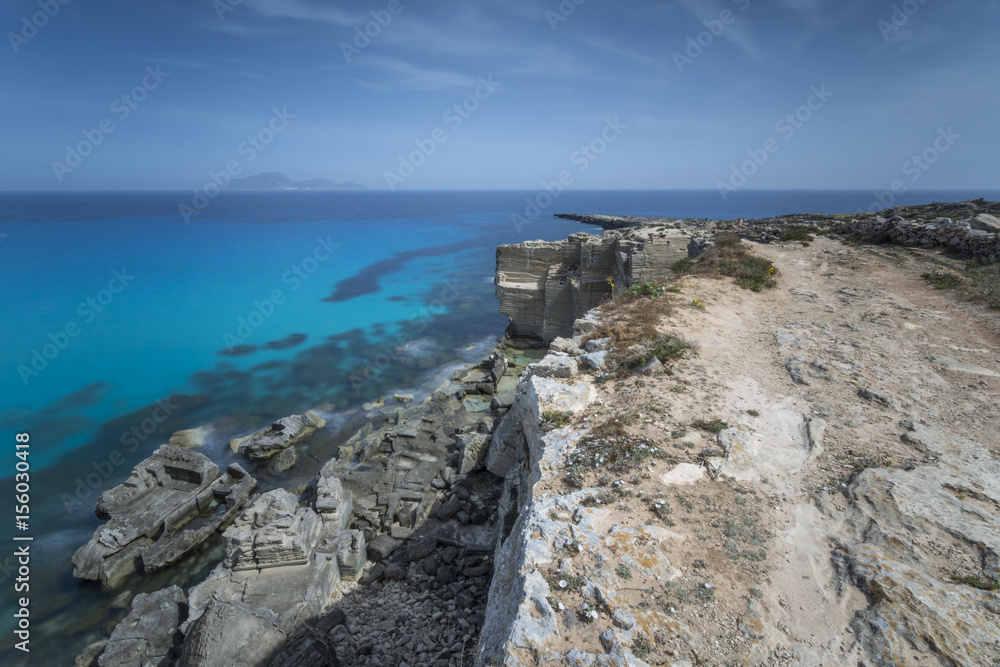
(281, 568)
(278, 437)
(169, 505)
(543, 287)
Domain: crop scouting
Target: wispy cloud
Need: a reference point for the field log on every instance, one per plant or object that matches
(304, 10)
(399, 74)
(739, 34)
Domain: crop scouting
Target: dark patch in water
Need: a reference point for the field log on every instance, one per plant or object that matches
(398, 298)
(87, 397)
(238, 351)
(272, 365)
(287, 342)
(366, 280)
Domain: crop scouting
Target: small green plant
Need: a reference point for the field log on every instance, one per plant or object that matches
(623, 571)
(728, 240)
(647, 288)
(753, 413)
(566, 582)
(943, 281)
(710, 425)
(605, 498)
(750, 271)
(666, 349)
(553, 419)
(699, 564)
(682, 266)
(704, 595)
(641, 646)
(976, 581)
(698, 304)
(609, 446)
(797, 234)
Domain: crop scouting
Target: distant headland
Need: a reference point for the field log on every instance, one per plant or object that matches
(278, 181)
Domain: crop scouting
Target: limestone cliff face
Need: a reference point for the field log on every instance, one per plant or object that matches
(543, 287)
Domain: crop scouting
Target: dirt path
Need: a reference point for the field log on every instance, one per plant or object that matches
(862, 477)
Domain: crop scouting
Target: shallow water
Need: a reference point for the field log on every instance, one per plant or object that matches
(124, 324)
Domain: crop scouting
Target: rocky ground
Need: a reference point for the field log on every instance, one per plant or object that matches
(853, 517)
(814, 481)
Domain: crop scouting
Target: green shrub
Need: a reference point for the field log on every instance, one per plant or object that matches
(941, 280)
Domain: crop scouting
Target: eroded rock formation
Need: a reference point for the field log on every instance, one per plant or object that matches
(168, 506)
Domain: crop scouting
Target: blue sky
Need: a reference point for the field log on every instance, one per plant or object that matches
(560, 75)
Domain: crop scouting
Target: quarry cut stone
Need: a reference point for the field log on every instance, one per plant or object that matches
(169, 505)
(544, 287)
(278, 436)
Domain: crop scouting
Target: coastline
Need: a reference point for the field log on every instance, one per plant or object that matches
(763, 230)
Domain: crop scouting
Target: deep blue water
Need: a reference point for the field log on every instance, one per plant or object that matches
(123, 324)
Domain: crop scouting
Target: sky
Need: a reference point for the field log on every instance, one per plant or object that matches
(501, 94)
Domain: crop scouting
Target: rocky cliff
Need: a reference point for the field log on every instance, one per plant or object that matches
(543, 287)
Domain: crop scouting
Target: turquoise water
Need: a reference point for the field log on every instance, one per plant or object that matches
(123, 324)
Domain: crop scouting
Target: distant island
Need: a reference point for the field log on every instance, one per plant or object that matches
(278, 181)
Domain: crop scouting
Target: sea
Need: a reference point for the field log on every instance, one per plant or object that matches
(126, 321)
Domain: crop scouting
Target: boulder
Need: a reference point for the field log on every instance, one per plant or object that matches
(594, 360)
(146, 637)
(278, 436)
(553, 366)
(230, 633)
(473, 452)
(985, 222)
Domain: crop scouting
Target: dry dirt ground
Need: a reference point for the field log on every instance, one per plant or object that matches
(759, 547)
